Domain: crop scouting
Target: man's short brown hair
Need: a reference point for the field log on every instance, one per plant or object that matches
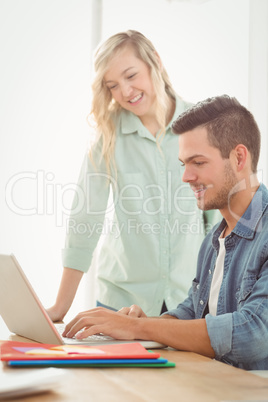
(228, 124)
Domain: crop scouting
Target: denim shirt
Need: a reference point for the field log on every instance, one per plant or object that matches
(239, 332)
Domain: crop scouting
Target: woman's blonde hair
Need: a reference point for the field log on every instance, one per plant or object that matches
(104, 109)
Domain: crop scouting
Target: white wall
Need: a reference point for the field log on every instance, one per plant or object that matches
(45, 99)
(203, 46)
(45, 87)
(258, 75)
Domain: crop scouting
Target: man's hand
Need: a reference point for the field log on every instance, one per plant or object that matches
(102, 320)
(133, 311)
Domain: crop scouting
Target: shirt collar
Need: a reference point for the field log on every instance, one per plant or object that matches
(248, 224)
(180, 107)
(130, 123)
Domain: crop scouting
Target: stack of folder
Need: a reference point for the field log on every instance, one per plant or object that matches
(21, 354)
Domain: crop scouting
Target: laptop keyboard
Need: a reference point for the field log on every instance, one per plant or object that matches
(93, 338)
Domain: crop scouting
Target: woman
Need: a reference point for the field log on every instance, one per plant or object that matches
(154, 230)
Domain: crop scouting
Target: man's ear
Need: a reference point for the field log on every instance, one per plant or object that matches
(241, 155)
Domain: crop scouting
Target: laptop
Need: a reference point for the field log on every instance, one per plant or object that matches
(24, 314)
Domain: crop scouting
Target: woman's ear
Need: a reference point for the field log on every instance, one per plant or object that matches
(159, 61)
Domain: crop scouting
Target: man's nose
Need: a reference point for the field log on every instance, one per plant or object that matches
(188, 175)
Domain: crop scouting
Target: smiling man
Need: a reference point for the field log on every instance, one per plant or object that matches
(226, 313)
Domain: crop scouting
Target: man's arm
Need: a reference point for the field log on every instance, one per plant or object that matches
(188, 335)
(67, 290)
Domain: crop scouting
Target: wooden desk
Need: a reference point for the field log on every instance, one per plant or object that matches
(194, 379)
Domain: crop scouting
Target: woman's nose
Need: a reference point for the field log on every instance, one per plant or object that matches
(126, 89)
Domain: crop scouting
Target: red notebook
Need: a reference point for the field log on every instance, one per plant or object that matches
(11, 350)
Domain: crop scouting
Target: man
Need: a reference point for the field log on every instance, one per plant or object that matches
(226, 313)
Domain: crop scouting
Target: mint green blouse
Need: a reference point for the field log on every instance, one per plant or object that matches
(144, 216)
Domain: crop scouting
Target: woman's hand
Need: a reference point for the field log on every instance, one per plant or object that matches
(55, 314)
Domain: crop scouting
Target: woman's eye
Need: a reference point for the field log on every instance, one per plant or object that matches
(112, 86)
(131, 76)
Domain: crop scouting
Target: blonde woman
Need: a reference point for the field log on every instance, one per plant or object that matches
(153, 229)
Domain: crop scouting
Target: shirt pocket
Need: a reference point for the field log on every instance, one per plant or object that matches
(245, 289)
(129, 195)
(131, 179)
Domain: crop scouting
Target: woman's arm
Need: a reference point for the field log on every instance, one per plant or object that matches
(69, 283)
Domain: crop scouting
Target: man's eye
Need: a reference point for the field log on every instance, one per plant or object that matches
(199, 163)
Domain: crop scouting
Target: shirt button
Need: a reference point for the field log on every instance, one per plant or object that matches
(209, 272)
(201, 302)
(197, 286)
